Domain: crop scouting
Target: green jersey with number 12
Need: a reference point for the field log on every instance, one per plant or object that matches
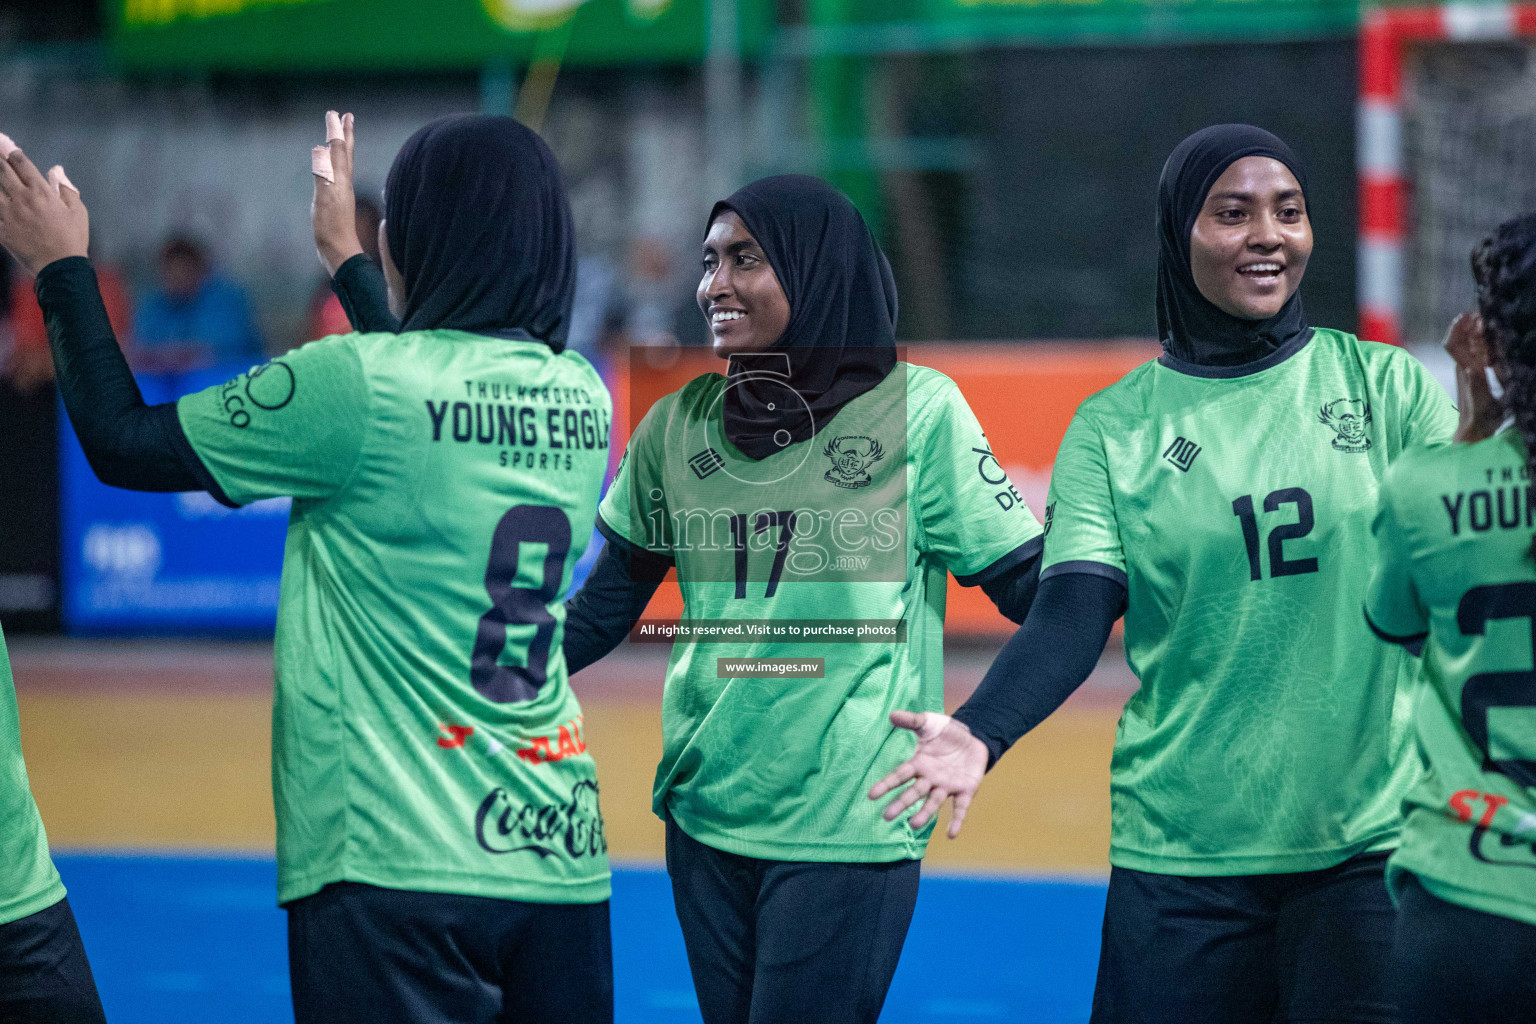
(853, 529)
(424, 733)
(28, 881)
(1270, 729)
(1454, 538)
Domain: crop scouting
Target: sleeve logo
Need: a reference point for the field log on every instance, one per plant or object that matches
(1348, 417)
(852, 455)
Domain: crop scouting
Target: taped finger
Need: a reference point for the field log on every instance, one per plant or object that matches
(320, 163)
(60, 180)
(333, 132)
(7, 147)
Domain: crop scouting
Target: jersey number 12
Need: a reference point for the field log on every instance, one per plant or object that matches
(1279, 565)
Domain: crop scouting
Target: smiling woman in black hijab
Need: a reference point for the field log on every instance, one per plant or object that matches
(1192, 327)
(1220, 498)
(841, 337)
(422, 879)
(818, 485)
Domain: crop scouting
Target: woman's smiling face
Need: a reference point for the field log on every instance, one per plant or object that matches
(739, 292)
(1252, 239)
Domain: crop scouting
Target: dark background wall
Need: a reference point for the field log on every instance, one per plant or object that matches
(1059, 238)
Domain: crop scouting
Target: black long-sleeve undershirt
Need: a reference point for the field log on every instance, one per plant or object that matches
(1049, 657)
(610, 602)
(128, 443)
(359, 285)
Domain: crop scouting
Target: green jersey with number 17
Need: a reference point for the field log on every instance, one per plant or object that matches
(854, 529)
(28, 881)
(1269, 731)
(424, 735)
(1454, 562)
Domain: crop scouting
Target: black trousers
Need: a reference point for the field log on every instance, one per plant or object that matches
(359, 954)
(789, 942)
(1310, 946)
(44, 975)
(1453, 965)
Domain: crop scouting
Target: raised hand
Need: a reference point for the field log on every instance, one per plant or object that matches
(1481, 413)
(41, 218)
(949, 762)
(334, 209)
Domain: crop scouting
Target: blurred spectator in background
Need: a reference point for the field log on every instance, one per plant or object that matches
(28, 363)
(326, 315)
(653, 288)
(597, 312)
(196, 319)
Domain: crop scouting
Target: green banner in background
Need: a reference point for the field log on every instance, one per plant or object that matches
(286, 35)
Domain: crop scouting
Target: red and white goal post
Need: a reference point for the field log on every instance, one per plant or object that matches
(1386, 35)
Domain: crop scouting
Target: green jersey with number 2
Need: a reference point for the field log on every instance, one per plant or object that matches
(28, 881)
(1269, 731)
(857, 526)
(1454, 539)
(424, 735)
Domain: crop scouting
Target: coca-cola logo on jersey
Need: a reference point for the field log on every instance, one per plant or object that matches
(575, 827)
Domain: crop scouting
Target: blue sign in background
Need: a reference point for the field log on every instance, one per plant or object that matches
(174, 563)
(165, 562)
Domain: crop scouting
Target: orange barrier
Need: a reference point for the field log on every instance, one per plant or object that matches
(1024, 394)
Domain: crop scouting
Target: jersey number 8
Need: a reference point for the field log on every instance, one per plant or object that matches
(512, 605)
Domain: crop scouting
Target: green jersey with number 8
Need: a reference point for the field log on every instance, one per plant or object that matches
(424, 733)
(1454, 569)
(1269, 731)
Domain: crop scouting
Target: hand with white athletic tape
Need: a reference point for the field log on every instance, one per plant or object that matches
(334, 210)
(949, 762)
(1481, 413)
(42, 219)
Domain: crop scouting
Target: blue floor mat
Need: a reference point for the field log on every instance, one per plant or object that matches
(190, 940)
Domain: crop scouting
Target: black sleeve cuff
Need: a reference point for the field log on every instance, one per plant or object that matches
(1019, 555)
(1414, 643)
(996, 745)
(359, 285)
(1087, 568)
(190, 460)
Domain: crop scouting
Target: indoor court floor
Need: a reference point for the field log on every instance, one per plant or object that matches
(150, 764)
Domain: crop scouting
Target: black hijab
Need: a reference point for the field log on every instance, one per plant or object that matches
(841, 338)
(479, 226)
(1189, 325)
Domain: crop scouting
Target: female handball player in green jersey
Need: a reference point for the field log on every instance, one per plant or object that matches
(445, 479)
(1456, 571)
(1221, 498)
(819, 485)
(819, 488)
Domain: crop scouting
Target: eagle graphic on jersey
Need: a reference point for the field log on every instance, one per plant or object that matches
(1348, 417)
(852, 455)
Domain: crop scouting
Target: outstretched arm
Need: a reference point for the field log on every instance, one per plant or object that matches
(1049, 657)
(611, 601)
(46, 227)
(357, 281)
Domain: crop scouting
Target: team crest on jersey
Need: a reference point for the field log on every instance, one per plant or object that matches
(852, 455)
(1348, 417)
